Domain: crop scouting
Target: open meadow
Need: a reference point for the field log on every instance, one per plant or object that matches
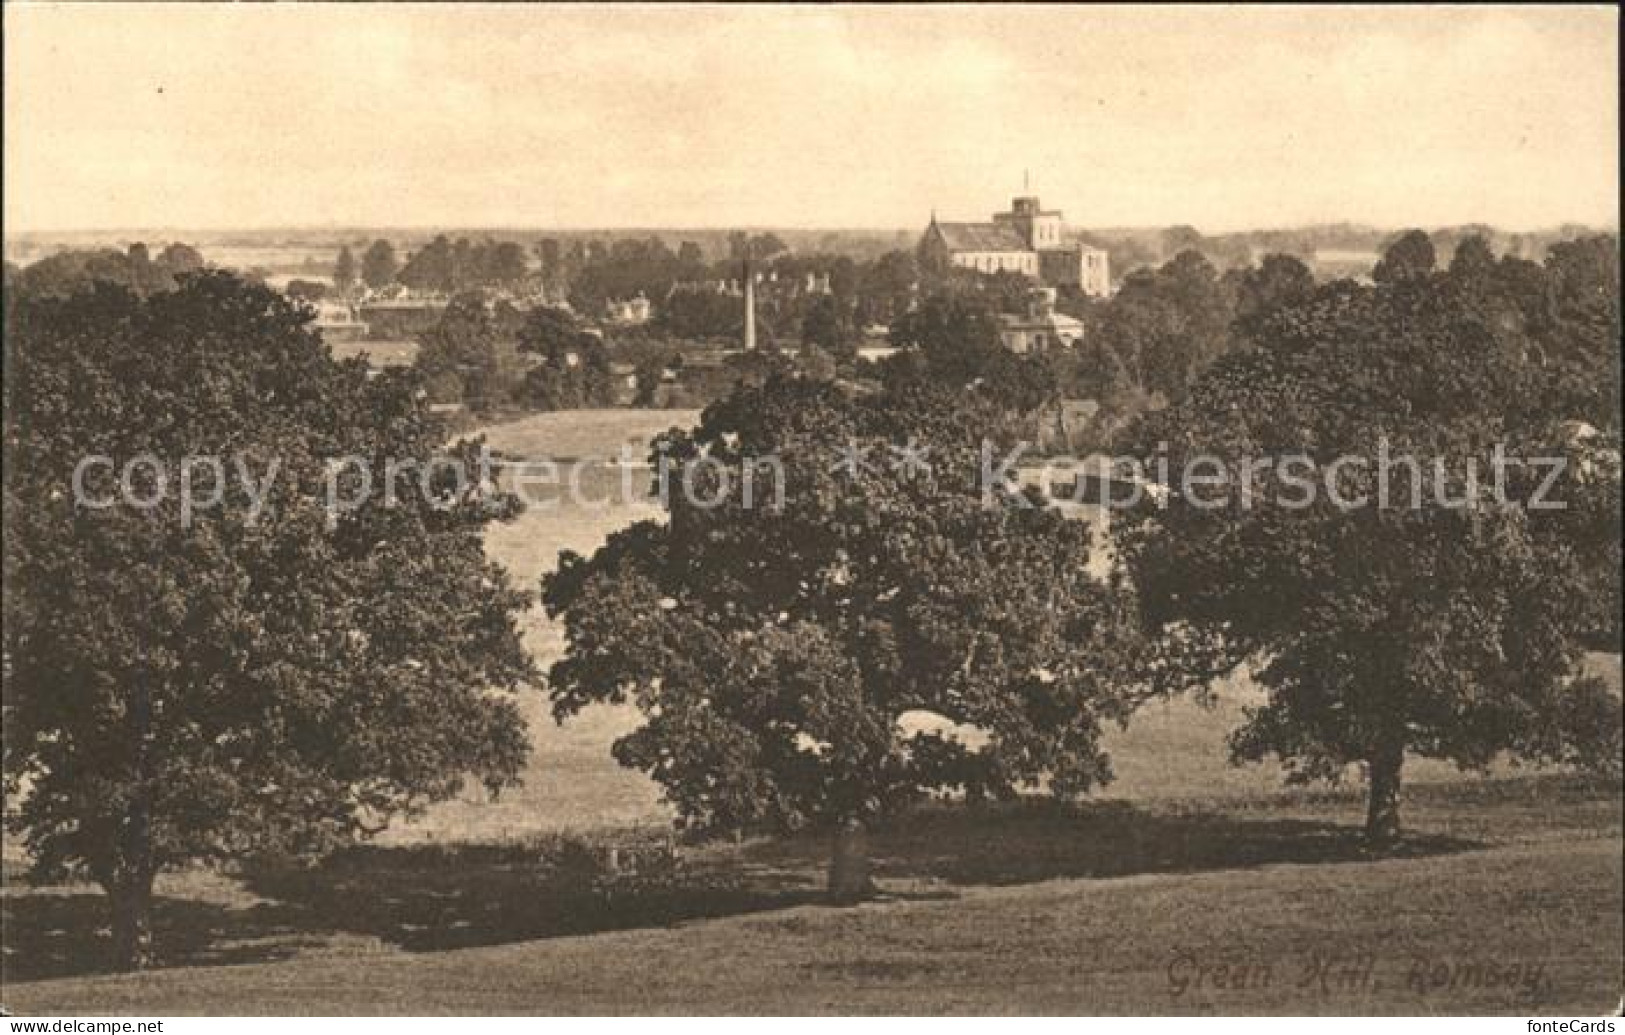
(378, 353)
(1187, 886)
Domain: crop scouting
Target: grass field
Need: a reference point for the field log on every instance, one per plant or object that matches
(1508, 901)
(379, 353)
(571, 783)
(1184, 879)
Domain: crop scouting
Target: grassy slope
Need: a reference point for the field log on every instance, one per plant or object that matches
(1027, 911)
(1066, 945)
(572, 782)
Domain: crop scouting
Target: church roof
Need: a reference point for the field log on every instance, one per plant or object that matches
(981, 237)
(1052, 321)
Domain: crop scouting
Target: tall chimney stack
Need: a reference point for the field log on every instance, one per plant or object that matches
(750, 309)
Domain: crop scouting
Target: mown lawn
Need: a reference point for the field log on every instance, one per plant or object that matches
(1507, 899)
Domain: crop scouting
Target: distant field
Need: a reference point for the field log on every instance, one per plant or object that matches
(571, 783)
(584, 433)
(379, 353)
(308, 260)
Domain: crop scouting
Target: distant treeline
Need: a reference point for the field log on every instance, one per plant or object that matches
(1129, 247)
(135, 268)
(1132, 247)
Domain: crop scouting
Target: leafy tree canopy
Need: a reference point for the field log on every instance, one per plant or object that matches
(379, 266)
(1162, 328)
(774, 646)
(1451, 631)
(574, 367)
(201, 682)
(470, 354)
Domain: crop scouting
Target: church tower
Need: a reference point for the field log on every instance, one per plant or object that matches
(1041, 230)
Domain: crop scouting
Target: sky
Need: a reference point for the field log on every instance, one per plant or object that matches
(228, 116)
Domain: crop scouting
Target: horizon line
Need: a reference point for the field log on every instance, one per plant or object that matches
(1606, 226)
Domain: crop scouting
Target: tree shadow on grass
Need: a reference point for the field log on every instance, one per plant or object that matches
(1036, 841)
(442, 897)
(438, 897)
(51, 933)
(449, 897)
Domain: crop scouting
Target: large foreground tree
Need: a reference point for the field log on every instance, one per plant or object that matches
(796, 649)
(1413, 612)
(207, 661)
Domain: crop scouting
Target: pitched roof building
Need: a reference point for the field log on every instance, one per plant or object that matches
(1041, 328)
(1026, 240)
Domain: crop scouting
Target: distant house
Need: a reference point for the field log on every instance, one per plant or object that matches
(876, 353)
(1040, 328)
(630, 312)
(624, 383)
(1025, 240)
(402, 316)
(338, 322)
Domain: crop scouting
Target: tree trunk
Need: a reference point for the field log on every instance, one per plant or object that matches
(131, 901)
(132, 866)
(849, 864)
(1382, 813)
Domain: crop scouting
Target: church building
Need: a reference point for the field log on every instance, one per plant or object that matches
(1026, 240)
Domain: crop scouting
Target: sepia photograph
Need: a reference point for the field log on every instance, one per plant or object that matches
(730, 510)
